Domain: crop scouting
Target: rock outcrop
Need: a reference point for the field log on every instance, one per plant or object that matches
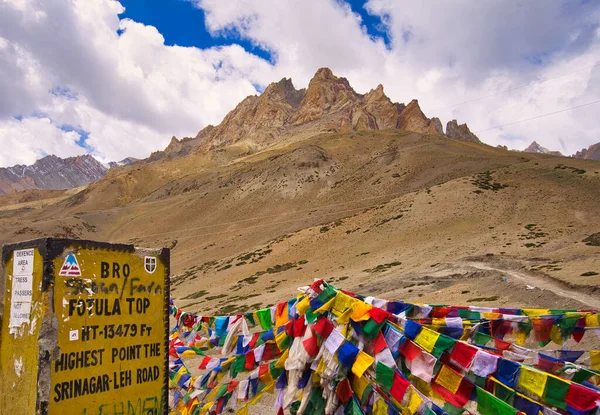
(52, 173)
(460, 132)
(413, 119)
(590, 153)
(536, 148)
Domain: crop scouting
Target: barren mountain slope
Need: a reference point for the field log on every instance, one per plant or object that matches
(376, 210)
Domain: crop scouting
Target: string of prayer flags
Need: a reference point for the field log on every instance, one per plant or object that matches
(330, 351)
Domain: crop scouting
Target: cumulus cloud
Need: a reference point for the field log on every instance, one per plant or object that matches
(115, 79)
(118, 81)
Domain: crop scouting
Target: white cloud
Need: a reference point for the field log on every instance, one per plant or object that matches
(30, 139)
(131, 92)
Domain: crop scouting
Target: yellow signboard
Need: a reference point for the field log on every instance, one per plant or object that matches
(108, 349)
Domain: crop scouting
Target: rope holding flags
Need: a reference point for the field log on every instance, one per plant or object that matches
(330, 351)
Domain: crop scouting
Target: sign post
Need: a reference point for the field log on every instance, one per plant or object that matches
(84, 329)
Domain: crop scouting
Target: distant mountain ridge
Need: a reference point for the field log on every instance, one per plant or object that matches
(283, 114)
(55, 173)
(590, 153)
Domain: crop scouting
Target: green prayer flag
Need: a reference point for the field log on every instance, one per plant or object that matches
(237, 366)
(556, 392)
(582, 375)
(468, 314)
(327, 294)
(250, 318)
(371, 328)
(222, 391)
(264, 318)
(353, 408)
(488, 404)
(452, 410)
(504, 393)
(384, 375)
(442, 344)
(481, 339)
(311, 316)
(316, 404)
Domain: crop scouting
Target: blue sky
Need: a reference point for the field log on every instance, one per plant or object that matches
(182, 24)
(118, 79)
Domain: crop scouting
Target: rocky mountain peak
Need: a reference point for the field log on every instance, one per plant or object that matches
(534, 147)
(328, 104)
(460, 132)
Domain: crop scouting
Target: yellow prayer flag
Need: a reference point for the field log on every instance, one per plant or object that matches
(449, 379)
(188, 353)
(555, 335)
(303, 305)
(321, 366)
(280, 363)
(341, 303)
(360, 312)
(491, 316)
(359, 384)
(280, 338)
(344, 318)
(362, 363)
(536, 312)
(595, 359)
(532, 381)
(423, 387)
(439, 322)
(591, 320)
(520, 337)
(427, 339)
(266, 377)
(414, 402)
(466, 334)
(206, 408)
(211, 395)
(380, 407)
(325, 307)
(243, 410)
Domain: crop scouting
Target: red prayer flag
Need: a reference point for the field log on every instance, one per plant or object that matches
(463, 354)
(344, 390)
(501, 344)
(204, 362)
(379, 343)
(440, 312)
(324, 327)
(542, 328)
(399, 387)
(299, 326)
(410, 350)
(249, 365)
(458, 399)
(378, 314)
(311, 344)
(253, 340)
(581, 398)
